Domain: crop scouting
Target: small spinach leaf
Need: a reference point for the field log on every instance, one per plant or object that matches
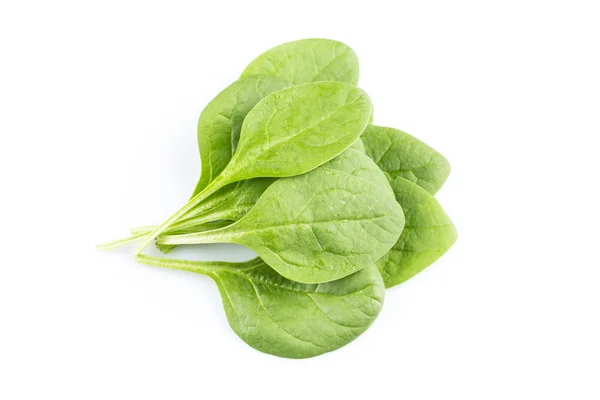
(286, 318)
(319, 226)
(292, 131)
(221, 121)
(308, 60)
(428, 233)
(399, 154)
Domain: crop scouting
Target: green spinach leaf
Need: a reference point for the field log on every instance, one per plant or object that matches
(308, 60)
(399, 154)
(286, 318)
(428, 233)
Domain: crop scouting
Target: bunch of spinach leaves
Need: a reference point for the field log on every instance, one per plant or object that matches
(336, 208)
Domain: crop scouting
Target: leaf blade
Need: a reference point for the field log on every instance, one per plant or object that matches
(292, 131)
(399, 154)
(288, 319)
(325, 224)
(427, 235)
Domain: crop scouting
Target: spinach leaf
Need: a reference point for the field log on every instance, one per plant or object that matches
(319, 226)
(428, 233)
(286, 318)
(221, 121)
(308, 60)
(293, 131)
(288, 133)
(399, 154)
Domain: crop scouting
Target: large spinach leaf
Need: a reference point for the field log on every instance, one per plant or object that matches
(286, 318)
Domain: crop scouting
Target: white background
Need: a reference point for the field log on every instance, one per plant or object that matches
(98, 109)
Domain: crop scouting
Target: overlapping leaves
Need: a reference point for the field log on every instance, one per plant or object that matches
(337, 209)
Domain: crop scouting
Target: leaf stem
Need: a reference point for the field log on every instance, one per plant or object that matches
(142, 229)
(215, 185)
(200, 267)
(190, 238)
(200, 219)
(122, 242)
(212, 201)
(221, 235)
(211, 226)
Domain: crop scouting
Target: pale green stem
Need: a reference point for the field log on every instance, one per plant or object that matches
(210, 224)
(143, 229)
(223, 235)
(200, 267)
(122, 242)
(206, 205)
(215, 185)
(201, 219)
(140, 233)
(165, 248)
